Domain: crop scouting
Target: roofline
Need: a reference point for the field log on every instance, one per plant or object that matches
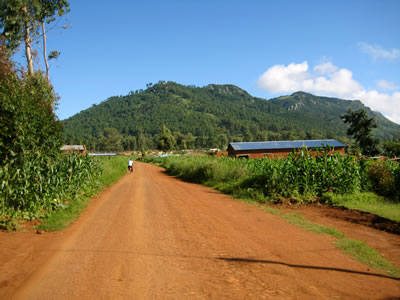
(285, 141)
(266, 145)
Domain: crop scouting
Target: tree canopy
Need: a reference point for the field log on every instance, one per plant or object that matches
(28, 125)
(360, 127)
(392, 148)
(167, 140)
(20, 21)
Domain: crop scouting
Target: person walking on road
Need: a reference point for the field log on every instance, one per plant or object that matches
(130, 165)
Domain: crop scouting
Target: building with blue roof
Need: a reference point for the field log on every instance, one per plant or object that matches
(275, 149)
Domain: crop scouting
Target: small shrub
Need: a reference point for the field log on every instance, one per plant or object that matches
(383, 176)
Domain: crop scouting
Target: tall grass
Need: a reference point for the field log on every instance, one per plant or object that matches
(113, 168)
(202, 169)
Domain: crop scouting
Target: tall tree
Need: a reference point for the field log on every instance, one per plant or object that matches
(129, 143)
(111, 140)
(20, 21)
(190, 140)
(27, 123)
(141, 141)
(17, 24)
(46, 10)
(360, 129)
(180, 140)
(167, 140)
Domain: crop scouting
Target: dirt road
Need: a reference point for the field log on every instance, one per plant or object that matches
(151, 236)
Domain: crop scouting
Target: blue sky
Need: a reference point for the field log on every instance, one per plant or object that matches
(347, 49)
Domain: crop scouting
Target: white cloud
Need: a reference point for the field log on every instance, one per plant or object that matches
(387, 104)
(280, 78)
(328, 80)
(377, 52)
(386, 85)
(325, 68)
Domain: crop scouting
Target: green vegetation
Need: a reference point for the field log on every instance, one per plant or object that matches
(302, 173)
(30, 139)
(391, 149)
(384, 178)
(39, 184)
(212, 116)
(167, 140)
(368, 202)
(113, 168)
(301, 177)
(360, 128)
(299, 220)
(361, 252)
(36, 179)
(110, 140)
(25, 20)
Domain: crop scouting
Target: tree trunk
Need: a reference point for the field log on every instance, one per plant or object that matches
(45, 52)
(28, 48)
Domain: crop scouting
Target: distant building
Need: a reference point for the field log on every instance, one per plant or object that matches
(81, 149)
(274, 149)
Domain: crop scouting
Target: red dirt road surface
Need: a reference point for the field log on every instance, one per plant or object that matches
(151, 236)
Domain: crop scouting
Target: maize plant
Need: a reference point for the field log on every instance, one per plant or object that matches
(38, 184)
(306, 173)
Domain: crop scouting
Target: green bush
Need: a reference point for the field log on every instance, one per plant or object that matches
(384, 177)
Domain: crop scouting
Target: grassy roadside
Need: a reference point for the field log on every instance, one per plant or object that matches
(357, 249)
(361, 252)
(114, 167)
(367, 202)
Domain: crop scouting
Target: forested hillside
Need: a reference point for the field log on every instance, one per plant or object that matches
(210, 116)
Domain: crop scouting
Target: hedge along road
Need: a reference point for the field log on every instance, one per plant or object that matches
(151, 236)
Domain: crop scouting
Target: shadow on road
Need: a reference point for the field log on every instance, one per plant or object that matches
(226, 259)
(249, 260)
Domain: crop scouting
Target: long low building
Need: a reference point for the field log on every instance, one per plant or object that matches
(273, 149)
(81, 149)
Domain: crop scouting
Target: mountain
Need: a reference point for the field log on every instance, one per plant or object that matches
(304, 107)
(214, 115)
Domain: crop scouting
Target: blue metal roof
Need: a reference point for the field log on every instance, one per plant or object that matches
(285, 144)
